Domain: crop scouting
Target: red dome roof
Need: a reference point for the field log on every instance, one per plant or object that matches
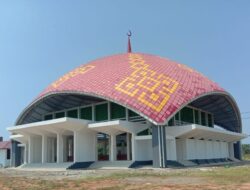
(152, 86)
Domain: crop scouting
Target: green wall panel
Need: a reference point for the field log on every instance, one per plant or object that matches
(101, 112)
(72, 113)
(48, 117)
(197, 117)
(59, 114)
(117, 111)
(187, 115)
(86, 113)
(210, 120)
(203, 119)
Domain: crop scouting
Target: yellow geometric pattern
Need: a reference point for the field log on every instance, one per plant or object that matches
(151, 88)
(75, 72)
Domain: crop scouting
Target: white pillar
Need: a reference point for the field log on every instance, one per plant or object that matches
(133, 146)
(65, 148)
(25, 159)
(30, 155)
(128, 146)
(44, 148)
(112, 147)
(51, 153)
(75, 146)
(95, 147)
(127, 116)
(231, 150)
(59, 148)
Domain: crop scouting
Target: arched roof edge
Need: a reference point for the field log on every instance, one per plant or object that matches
(40, 99)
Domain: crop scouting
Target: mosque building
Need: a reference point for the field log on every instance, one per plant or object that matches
(129, 109)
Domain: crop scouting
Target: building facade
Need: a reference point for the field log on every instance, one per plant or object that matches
(4, 153)
(134, 108)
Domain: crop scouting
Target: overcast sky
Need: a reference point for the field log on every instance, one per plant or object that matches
(42, 40)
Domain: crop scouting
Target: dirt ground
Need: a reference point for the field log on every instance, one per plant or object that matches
(223, 177)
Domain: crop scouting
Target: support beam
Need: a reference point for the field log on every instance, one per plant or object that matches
(159, 147)
(44, 148)
(231, 150)
(128, 145)
(59, 153)
(25, 156)
(133, 146)
(163, 146)
(112, 147)
(30, 157)
(76, 146)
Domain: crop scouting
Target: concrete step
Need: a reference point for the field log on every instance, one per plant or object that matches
(111, 165)
(63, 165)
(235, 160)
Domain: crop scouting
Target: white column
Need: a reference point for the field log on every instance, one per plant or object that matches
(52, 150)
(30, 155)
(44, 148)
(59, 148)
(109, 112)
(75, 146)
(112, 147)
(231, 150)
(128, 146)
(93, 112)
(95, 147)
(65, 147)
(127, 116)
(133, 146)
(26, 153)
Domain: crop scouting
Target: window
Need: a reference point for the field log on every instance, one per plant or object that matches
(171, 122)
(101, 112)
(48, 117)
(187, 115)
(117, 111)
(197, 117)
(132, 114)
(8, 154)
(177, 116)
(203, 119)
(59, 114)
(210, 120)
(86, 113)
(144, 132)
(72, 113)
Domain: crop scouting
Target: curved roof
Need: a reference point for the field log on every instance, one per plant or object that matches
(153, 86)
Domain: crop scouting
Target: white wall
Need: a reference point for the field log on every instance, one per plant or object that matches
(84, 145)
(144, 150)
(201, 149)
(3, 158)
(35, 149)
(51, 149)
(171, 149)
(181, 149)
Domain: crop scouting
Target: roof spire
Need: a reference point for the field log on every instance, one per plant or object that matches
(129, 44)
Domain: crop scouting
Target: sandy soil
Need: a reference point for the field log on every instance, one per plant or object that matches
(146, 179)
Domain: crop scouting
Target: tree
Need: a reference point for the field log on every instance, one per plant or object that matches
(246, 148)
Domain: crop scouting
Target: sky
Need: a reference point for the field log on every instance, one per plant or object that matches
(42, 40)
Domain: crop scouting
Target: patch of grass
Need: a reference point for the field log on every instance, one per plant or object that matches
(246, 157)
(219, 175)
(228, 177)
